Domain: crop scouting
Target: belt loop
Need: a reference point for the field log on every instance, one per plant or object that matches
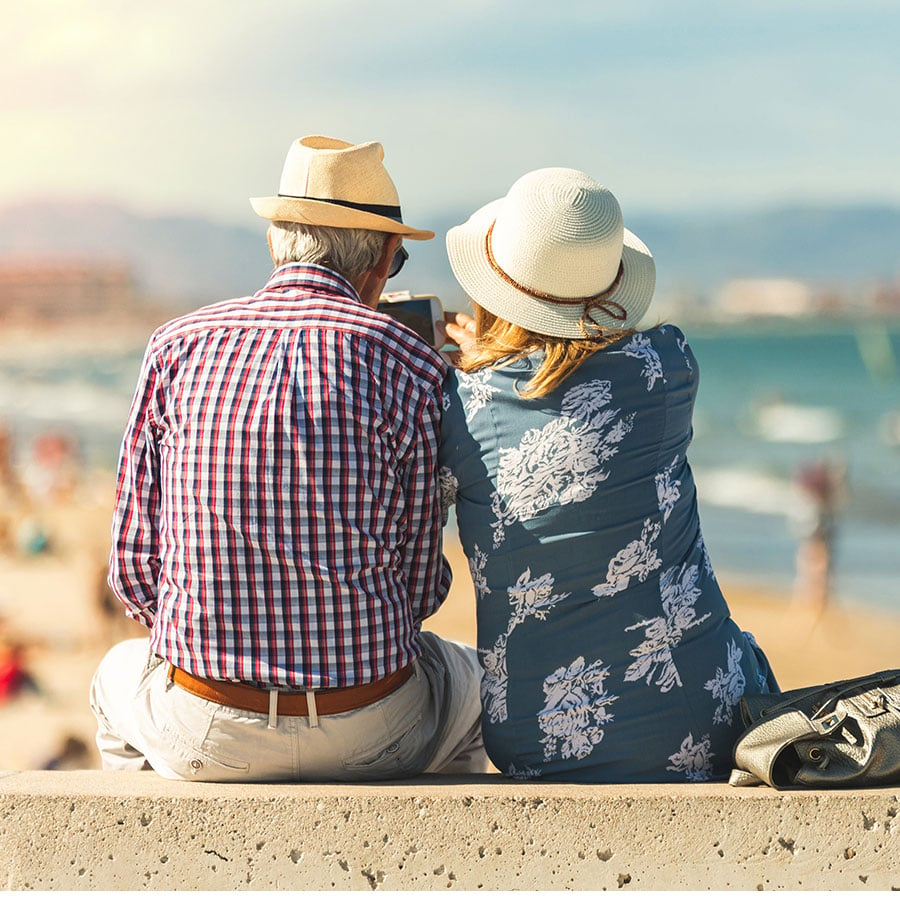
(311, 709)
(273, 708)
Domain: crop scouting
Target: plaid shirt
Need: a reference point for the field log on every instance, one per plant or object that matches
(277, 515)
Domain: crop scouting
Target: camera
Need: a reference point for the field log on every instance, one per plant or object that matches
(419, 312)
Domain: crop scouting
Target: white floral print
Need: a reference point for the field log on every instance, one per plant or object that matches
(500, 517)
(575, 708)
(667, 489)
(663, 633)
(563, 462)
(522, 774)
(449, 486)
(476, 569)
(495, 680)
(480, 392)
(638, 560)
(683, 347)
(695, 760)
(528, 597)
(707, 562)
(532, 597)
(728, 686)
(641, 347)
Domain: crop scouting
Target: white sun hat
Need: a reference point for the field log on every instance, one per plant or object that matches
(327, 181)
(554, 256)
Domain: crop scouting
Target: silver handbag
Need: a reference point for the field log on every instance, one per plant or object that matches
(842, 734)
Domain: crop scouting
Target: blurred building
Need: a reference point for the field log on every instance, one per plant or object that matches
(748, 297)
(57, 291)
(885, 299)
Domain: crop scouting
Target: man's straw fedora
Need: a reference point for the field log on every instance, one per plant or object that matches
(326, 181)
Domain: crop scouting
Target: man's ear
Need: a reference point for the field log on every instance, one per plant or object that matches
(269, 242)
(370, 284)
(383, 266)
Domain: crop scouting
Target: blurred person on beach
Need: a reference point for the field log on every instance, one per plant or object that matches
(9, 480)
(71, 753)
(278, 521)
(608, 649)
(49, 477)
(109, 625)
(54, 467)
(821, 488)
(10, 490)
(15, 677)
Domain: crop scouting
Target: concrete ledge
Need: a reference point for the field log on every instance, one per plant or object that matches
(112, 831)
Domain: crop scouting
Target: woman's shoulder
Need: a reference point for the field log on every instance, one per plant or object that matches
(662, 346)
(491, 379)
(663, 335)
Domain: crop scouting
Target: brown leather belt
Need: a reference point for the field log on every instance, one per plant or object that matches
(329, 702)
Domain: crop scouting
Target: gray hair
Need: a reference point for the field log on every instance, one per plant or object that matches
(349, 251)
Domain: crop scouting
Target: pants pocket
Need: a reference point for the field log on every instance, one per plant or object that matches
(393, 756)
(190, 751)
(390, 737)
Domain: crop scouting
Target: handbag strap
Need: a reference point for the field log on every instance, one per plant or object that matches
(791, 698)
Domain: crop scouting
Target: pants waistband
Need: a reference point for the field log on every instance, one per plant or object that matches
(330, 701)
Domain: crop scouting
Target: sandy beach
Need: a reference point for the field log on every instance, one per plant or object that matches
(49, 602)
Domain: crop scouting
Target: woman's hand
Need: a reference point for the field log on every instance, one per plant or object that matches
(460, 328)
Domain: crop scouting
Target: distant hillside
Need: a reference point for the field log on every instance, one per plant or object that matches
(190, 260)
(848, 246)
(177, 259)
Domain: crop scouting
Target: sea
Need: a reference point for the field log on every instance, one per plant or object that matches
(773, 398)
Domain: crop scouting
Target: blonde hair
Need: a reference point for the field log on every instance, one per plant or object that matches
(500, 341)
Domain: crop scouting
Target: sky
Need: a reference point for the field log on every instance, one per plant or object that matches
(188, 107)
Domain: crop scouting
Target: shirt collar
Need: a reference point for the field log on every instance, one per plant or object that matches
(311, 278)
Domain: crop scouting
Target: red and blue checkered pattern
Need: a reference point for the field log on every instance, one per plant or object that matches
(277, 516)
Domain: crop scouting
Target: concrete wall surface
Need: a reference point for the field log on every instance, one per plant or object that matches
(129, 831)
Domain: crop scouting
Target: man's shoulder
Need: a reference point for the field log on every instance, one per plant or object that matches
(312, 314)
(388, 338)
(203, 318)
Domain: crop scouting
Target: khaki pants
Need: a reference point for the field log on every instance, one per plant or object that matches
(429, 724)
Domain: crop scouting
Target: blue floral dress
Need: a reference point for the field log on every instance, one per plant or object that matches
(608, 650)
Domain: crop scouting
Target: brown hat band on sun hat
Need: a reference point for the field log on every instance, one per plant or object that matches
(599, 301)
(390, 212)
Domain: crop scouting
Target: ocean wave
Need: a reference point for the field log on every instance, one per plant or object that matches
(745, 488)
(796, 424)
(889, 429)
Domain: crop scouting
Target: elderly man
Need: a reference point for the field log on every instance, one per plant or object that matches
(277, 523)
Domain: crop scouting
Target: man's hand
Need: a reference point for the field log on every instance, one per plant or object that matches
(459, 328)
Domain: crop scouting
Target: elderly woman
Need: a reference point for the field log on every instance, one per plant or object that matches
(608, 650)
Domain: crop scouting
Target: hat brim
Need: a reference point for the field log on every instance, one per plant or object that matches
(473, 271)
(331, 215)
